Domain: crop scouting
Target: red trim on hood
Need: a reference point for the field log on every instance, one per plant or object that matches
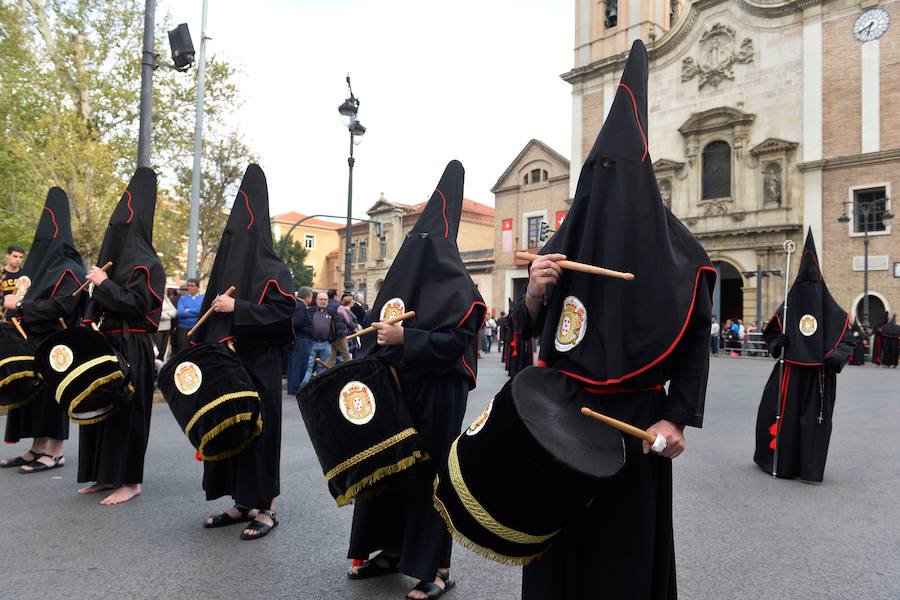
(662, 356)
(61, 277)
(131, 216)
(469, 369)
(281, 291)
(444, 212)
(840, 337)
(638, 119)
(152, 291)
(53, 216)
(247, 202)
(469, 312)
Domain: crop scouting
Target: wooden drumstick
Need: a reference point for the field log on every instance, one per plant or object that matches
(95, 327)
(63, 323)
(571, 265)
(84, 285)
(657, 442)
(370, 328)
(209, 311)
(15, 322)
(322, 363)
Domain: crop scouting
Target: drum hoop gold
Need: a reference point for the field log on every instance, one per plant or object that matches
(80, 370)
(9, 359)
(21, 375)
(369, 452)
(214, 403)
(233, 420)
(80, 397)
(479, 513)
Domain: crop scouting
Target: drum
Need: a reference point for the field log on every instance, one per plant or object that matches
(87, 376)
(213, 399)
(20, 380)
(360, 427)
(525, 467)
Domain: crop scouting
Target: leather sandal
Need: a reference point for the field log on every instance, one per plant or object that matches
(36, 466)
(224, 520)
(18, 461)
(371, 568)
(433, 590)
(259, 526)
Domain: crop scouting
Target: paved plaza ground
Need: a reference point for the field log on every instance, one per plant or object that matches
(739, 533)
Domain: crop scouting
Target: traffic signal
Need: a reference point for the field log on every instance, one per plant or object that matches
(545, 231)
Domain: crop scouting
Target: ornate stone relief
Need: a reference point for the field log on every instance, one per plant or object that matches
(712, 208)
(665, 192)
(772, 172)
(719, 52)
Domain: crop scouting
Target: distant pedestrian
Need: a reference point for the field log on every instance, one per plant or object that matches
(12, 269)
(303, 340)
(345, 310)
(163, 334)
(323, 335)
(188, 312)
(490, 326)
(714, 337)
(359, 308)
(339, 350)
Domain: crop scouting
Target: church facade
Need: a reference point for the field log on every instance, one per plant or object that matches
(767, 117)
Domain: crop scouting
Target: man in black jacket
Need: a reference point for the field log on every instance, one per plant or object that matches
(339, 348)
(323, 334)
(303, 332)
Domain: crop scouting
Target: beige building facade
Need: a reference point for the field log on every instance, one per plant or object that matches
(766, 118)
(318, 236)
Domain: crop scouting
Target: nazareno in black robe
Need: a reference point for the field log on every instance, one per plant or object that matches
(259, 327)
(126, 306)
(437, 367)
(55, 270)
(858, 357)
(623, 341)
(819, 342)
(887, 344)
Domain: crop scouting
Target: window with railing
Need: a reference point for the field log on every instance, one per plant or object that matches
(869, 206)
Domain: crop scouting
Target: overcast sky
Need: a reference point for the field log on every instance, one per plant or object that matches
(471, 80)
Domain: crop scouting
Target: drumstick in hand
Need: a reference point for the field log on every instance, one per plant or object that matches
(208, 312)
(370, 329)
(15, 322)
(87, 283)
(657, 442)
(571, 265)
(322, 363)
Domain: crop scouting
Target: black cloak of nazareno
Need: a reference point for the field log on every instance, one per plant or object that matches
(260, 326)
(126, 307)
(887, 341)
(55, 270)
(437, 367)
(816, 342)
(858, 357)
(623, 341)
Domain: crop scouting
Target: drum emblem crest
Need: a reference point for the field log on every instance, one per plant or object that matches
(357, 403)
(22, 285)
(188, 378)
(392, 309)
(808, 325)
(61, 358)
(479, 422)
(572, 324)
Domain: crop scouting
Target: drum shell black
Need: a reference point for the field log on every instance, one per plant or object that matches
(356, 457)
(222, 416)
(20, 380)
(93, 382)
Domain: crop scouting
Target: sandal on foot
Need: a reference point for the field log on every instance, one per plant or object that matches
(449, 584)
(260, 527)
(371, 568)
(431, 589)
(19, 461)
(225, 519)
(36, 466)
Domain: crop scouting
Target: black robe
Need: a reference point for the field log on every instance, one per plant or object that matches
(887, 344)
(858, 357)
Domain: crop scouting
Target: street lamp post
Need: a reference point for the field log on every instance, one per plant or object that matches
(866, 210)
(348, 111)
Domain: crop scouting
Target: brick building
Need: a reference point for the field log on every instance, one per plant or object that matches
(318, 236)
(767, 117)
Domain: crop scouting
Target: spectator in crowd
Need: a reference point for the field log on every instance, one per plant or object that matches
(12, 268)
(188, 312)
(163, 334)
(339, 350)
(714, 337)
(359, 308)
(490, 326)
(346, 311)
(324, 333)
(500, 340)
(303, 340)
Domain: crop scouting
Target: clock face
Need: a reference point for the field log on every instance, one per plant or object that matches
(871, 25)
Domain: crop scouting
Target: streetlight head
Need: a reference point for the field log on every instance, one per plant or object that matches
(844, 218)
(357, 131)
(182, 47)
(887, 216)
(348, 111)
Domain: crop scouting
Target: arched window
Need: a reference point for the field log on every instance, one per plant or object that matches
(877, 311)
(716, 170)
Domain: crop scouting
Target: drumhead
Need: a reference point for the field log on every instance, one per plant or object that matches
(549, 403)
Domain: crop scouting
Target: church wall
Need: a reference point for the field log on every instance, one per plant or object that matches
(841, 107)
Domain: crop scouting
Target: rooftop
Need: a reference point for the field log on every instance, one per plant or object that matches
(293, 217)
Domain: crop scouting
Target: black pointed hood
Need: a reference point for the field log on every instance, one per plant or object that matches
(429, 277)
(602, 330)
(52, 255)
(890, 329)
(815, 322)
(246, 259)
(128, 243)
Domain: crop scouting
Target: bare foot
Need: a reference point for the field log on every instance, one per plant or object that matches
(123, 494)
(96, 487)
(262, 518)
(420, 595)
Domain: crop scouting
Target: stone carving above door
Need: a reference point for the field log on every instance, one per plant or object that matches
(719, 51)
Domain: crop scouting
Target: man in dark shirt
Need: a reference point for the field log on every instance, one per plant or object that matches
(323, 333)
(359, 308)
(12, 269)
(340, 352)
(303, 332)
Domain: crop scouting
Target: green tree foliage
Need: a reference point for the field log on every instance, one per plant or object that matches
(69, 102)
(294, 254)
